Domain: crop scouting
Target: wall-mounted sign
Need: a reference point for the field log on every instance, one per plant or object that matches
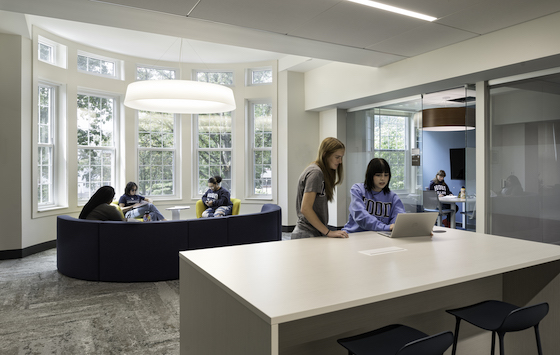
(415, 153)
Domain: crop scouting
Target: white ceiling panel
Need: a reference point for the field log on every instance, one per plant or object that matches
(151, 46)
(176, 7)
(425, 38)
(267, 15)
(355, 25)
(489, 16)
(226, 31)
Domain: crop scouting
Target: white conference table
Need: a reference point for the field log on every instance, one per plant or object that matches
(299, 296)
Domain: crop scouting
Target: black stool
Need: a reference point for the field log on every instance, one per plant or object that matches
(500, 317)
(397, 339)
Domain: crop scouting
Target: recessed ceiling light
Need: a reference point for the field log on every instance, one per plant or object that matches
(397, 10)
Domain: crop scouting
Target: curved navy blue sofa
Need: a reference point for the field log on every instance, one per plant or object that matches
(142, 252)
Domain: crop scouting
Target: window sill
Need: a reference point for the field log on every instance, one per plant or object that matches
(258, 198)
(50, 211)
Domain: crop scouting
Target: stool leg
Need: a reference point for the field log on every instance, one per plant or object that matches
(493, 343)
(456, 337)
(537, 335)
(501, 337)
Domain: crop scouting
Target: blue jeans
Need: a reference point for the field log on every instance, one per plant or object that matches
(155, 215)
(217, 212)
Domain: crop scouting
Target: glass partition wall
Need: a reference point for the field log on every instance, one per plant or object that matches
(394, 131)
(449, 144)
(524, 166)
(391, 132)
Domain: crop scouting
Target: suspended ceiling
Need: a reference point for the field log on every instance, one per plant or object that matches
(253, 30)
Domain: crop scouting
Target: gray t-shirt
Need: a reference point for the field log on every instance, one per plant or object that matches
(312, 180)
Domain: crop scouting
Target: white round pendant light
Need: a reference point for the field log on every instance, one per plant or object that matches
(179, 96)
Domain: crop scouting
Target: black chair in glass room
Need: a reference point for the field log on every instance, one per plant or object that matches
(397, 339)
(431, 204)
(500, 318)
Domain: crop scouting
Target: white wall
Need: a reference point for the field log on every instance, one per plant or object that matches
(299, 138)
(11, 91)
(333, 84)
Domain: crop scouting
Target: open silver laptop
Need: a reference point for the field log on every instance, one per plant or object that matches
(412, 225)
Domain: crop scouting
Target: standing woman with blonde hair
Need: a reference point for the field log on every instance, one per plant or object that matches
(316, 188)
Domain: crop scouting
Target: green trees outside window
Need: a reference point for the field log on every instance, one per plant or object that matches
(45, 146)
(262, 149)
(214, 146)
(156, 153)
(96, 145)
(389, 141)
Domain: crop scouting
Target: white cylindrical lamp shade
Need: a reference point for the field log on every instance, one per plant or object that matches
(179, 96)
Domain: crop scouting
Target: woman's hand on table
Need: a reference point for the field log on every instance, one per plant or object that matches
(338, 234)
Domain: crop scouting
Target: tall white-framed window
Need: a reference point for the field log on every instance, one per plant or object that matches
(157, 141)
(46, 145)
(157, 153)
(390, 137)
(96, 143)
(148, 72)
(258, 76)
(214, 138)
(260, 126)
(51, 52)
(222, 77)
(99, 65)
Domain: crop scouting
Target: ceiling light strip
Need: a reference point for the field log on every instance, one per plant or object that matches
(394, 9)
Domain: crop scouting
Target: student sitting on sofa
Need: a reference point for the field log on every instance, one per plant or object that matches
(134, 205)
(99, 206)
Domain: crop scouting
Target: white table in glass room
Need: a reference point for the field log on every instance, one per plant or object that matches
(299, 296)
(453, 200)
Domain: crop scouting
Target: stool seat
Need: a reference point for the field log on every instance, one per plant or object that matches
(397, 339)
(500, 318)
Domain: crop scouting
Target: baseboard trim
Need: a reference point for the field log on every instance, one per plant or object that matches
(22, 253)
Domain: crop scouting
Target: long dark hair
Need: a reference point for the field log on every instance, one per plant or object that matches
(332, 177)
(129, 187)
(377, 166)
(104, 194)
